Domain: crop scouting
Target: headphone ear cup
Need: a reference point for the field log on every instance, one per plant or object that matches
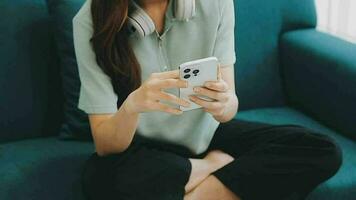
(184, 9)
(140, 22)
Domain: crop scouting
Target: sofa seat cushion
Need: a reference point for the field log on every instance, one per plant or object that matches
(44, 168)
(343, 185)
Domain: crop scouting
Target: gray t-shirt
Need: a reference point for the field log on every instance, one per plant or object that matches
(209, 33)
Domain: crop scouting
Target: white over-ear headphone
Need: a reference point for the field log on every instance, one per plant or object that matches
(140, 22)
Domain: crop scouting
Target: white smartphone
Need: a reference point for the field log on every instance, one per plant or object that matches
(197, 72)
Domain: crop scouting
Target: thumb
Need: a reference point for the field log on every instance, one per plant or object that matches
(219, 72)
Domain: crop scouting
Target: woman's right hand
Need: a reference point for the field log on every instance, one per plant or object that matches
(147, 97)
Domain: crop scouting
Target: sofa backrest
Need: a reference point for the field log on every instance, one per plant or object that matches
(30, 99)
(259, 23)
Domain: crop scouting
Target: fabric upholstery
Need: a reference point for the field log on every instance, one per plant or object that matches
(319, 73)
(30, 100)
(75, 124)
(41, 169)
(258, 26)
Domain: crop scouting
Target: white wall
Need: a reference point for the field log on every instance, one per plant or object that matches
(337, 17)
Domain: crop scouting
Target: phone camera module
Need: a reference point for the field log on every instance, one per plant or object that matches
(186, 70)
(195, 72)
(187, 76)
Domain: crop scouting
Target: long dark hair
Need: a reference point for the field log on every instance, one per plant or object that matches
(110, 42)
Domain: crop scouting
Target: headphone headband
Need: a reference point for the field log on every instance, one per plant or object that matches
(139, 21)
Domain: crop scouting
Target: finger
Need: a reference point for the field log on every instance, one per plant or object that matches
(220, 96)
(206, 104)
(174, 99)
(165, 108)
(216, 112)
(220, 86)
(219, 73)
(171, 83)
(166, 75)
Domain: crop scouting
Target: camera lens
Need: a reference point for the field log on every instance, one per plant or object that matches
(196, 71)
(186, 70)
(187, 76)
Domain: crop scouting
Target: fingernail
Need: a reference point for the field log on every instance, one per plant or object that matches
(208, 84)
(196, 89)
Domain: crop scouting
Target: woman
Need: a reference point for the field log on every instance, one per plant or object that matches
(146, 148)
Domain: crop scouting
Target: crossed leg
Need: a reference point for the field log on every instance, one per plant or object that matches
(275, 162)
(211, 189)
(203, 185)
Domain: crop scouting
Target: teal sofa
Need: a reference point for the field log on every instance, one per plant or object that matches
(287, 72)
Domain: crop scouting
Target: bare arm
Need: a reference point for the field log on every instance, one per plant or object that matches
(113, 133)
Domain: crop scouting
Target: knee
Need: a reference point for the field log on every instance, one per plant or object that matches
(329, 157)
(334, 157)
(324, 152)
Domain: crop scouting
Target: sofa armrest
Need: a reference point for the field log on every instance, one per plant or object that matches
(319, 75)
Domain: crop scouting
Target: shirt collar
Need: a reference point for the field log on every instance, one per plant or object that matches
(169, 17)
(169, 12)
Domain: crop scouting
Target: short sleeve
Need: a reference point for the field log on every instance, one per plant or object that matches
(224, 48)
(97, 95)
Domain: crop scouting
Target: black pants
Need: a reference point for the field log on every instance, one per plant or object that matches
(271, 162)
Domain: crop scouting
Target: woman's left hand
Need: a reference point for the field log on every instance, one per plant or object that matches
(219, 91)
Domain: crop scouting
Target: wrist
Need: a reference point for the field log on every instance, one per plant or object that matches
(128, 105)
(228, 114)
